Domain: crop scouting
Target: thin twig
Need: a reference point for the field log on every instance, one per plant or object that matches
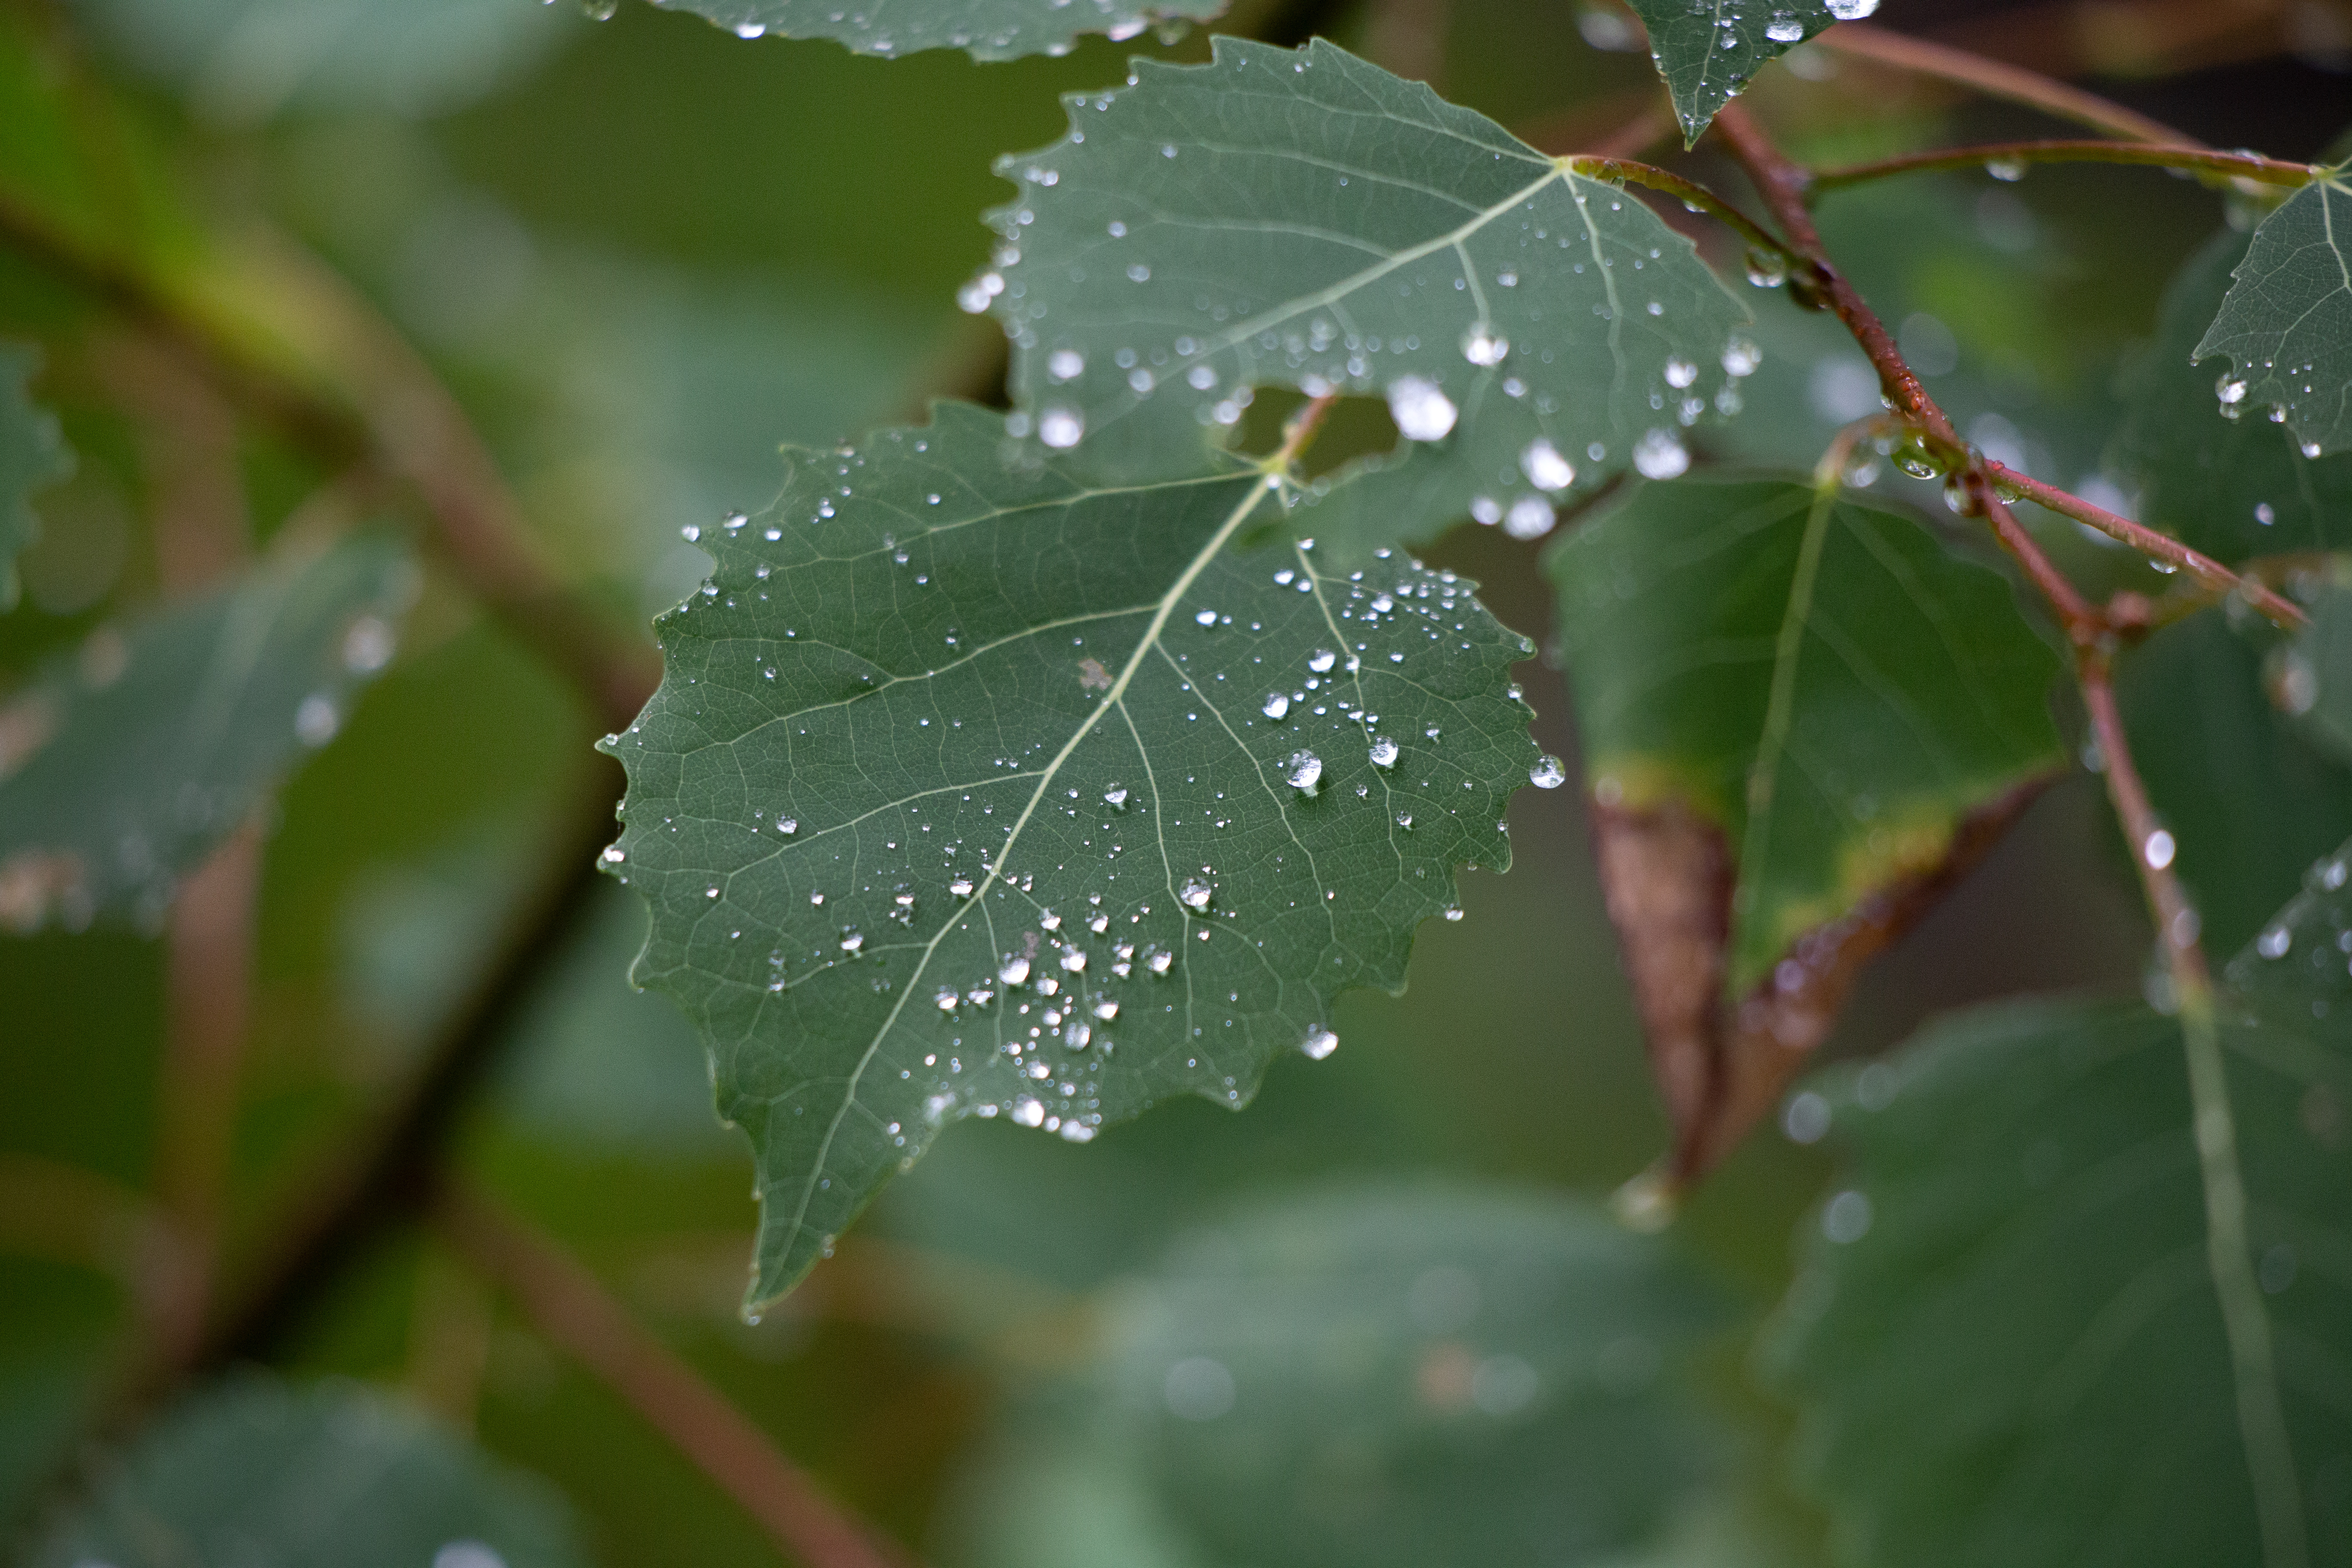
(567, 1304)
(2228, 1251)
(2149, 543)
(1996, 78)
(1697, 197)
(2018, 154)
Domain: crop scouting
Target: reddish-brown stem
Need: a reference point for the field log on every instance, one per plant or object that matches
(1996, 78)
(572, 1309)
(2017, 155)
(2151, 846)
(2150, 544)
(1625, 171)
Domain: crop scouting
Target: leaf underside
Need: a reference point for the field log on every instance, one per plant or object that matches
(1519, 1379)
(1801, 722)
(329, 1476)
(2222, 478)
(1708, 49)
(1301, 218)
(2021, 1358)
(986, 29)
(123, 767)
(32, 454)
(969, 791)
(2286, 322)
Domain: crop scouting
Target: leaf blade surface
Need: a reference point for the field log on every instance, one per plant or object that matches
(2286, 322)
(986, 29)
(1706, 52)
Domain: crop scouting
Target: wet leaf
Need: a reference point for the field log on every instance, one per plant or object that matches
(985, 29)
(32, 454)
(123, 766)
(1300, 219)
(2007, 1342)
(911, 859)
(1400, 1376)
(2286, 322)
(1707, 50)
(243, 61)
(332, 1475)
(2310, 678)
(1801, 719)
(2207, 742)
(2221, 476)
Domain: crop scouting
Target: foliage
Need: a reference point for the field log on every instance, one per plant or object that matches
(1088, 700)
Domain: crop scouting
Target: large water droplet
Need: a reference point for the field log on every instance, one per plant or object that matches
(1319, 1043)
(1012, 972)
(1061, 427)
(1277, 705)
(1852, 10)
(1195, 894)
(1321, 661)
(1480, 346)
(1383, 752)
(1680, 372)
(1740, 357)
(1065, 364)
(1530, 516)
(1421, 412)
(1784, 29)
(1306, 771)
(1544, 468)
(1548, 773)
(1660, 454)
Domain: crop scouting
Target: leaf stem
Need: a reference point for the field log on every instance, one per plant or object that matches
(1697, 197)
(2229, 1252)
(2149, 543)
(2237, 166)
(1997, 79)
(568, 1306)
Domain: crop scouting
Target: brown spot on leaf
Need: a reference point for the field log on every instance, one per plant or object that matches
(1093, 676)
(1667, 874)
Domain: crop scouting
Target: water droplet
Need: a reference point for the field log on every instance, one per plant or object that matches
(1074, 960)
(1159, 959)
(614, 855)
(368, 646)
(1846, 1218)
(1383, 753)
(1277, 705)
(1548, 773)
(1480, 346)
(1806, 1117)
(1061, 427)
(1321, 661)
(974, 297)
(2158, 849)
(1106, 1009)
(1740, 357)
(1767, 269)
(1306, 772)
(1421, 412)
(852, 942)
(1784, 29)
(1660, 454)
(1205, 618)
(1544, 468)
(2274, 942)
(1115, 795)
(1065, 364)
(961, 887)
(1852, 10)
(1530, 516)
(1680, 372)
(1195, 895)
(2011, 170)
(1012, 972)
(316, 721)
(1319, 1043)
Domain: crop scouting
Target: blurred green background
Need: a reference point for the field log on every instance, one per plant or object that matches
(641, 253)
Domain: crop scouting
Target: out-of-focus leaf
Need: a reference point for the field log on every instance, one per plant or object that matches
(1707, 50)
(1388, 1376)
(2311, 676)
(1801, 718)
(977, 788)
(2248, 799)
(32, 454)
(243, 61)
(123, 767)
(263, 1474)
(2219, 475)
(1301, 218)
(2286, 322)
(2007, 1342)
(986, 29)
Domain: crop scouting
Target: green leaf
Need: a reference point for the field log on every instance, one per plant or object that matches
(256, 1471)
(970, 790)
(244, 60)
(2229, 482)
(123, 767)
(1413, 1377)
(2208, 743)
(2006, 1341)
(1301, 218)
(986, 29)
(1707, 50)
(1826, 685)
(2286, 322)
(32, 454)
(2310, 677)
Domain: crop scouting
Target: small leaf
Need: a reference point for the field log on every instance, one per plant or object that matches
(2310, 678)
(123, 767)
(2221, 476)
(1397, 1377)
(986, 29)
(2207, 742)
(2006, 1341)
(332, 1475)
(1707, 51)
(975, 787)
(1801, 718)
(1300, 219)
(32, 454)
(2286, 322)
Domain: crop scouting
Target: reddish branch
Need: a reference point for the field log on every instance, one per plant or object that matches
(572, 1309)
(1996, 78)
(2018, 154)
